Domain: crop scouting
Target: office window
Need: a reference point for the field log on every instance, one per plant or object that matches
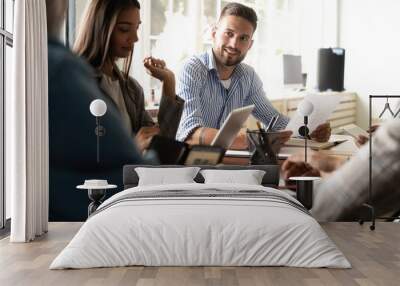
(8, 80)
(2, 68)
(176, 29)
(9, 13)
(184, 28)
(6, 44)
(298, 27)
(75, 11)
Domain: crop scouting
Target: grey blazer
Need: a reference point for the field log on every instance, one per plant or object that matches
(341, 196)
(169, 114)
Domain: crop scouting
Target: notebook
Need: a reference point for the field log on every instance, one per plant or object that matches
(354, 131)
(300, 142)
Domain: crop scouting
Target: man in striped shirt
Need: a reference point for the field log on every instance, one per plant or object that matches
(216, 82)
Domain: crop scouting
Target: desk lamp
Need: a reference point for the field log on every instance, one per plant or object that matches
(305, 108)
(98, 108)
(304, 190)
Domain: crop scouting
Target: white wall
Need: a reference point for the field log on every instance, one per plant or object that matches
(370, 33)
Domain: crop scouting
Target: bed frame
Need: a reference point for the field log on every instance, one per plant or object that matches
(270, 179)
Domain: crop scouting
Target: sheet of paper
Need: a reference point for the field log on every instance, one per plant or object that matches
(324, 105)
(247, 154)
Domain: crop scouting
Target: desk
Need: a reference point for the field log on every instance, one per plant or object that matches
(345, 149)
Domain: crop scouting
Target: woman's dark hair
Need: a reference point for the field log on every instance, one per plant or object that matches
(94, 35)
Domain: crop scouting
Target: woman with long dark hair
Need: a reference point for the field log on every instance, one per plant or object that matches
(108, 32)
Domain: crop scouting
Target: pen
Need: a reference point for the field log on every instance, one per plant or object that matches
(338, 142)
(276, 120)
(261, 134)
(260, 127)
(272, 123)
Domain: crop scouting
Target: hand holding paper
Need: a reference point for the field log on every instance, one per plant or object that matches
(324, 105)
(321, 133)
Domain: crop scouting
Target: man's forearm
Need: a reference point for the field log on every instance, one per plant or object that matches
(202, 136)
(205, 135)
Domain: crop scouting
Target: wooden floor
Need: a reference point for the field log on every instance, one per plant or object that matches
(375, 257)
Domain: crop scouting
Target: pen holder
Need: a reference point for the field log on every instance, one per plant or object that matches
(259, 146)
(304, 190)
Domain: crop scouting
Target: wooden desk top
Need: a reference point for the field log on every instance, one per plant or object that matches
(345, 150)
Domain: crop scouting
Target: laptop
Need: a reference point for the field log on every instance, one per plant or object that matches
(231, 127)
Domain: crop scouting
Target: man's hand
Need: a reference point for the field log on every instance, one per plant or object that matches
(240, 142)
(322, 133)
(144, 136)
(298, 169)
(283, 136)
(361, 140)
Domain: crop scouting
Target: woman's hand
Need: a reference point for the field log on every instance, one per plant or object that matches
(144, 136)
(157, 68)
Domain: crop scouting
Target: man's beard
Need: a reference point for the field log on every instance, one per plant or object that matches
(227, 60)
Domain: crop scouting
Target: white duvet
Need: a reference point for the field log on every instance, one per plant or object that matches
(202, 231)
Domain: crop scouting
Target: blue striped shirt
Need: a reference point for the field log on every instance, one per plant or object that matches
(208, 103)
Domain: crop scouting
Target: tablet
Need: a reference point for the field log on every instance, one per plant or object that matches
(231, 127)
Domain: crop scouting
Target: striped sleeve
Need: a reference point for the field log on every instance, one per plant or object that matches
(264, 111)
(190, 81)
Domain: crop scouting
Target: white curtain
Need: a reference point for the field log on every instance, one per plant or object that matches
(27, 124)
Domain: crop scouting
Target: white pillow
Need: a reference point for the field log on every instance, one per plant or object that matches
(164, 176)
(248, 177)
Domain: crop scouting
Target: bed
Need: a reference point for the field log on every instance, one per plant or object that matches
(201, 224)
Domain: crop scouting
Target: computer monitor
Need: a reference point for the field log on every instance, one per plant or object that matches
(292, 71)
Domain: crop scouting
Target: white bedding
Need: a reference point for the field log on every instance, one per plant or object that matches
(203, 231)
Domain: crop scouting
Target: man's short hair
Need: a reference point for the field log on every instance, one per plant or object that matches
(240, 10)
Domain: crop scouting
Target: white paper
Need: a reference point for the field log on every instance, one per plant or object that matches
(324, 106)
(247, 154)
